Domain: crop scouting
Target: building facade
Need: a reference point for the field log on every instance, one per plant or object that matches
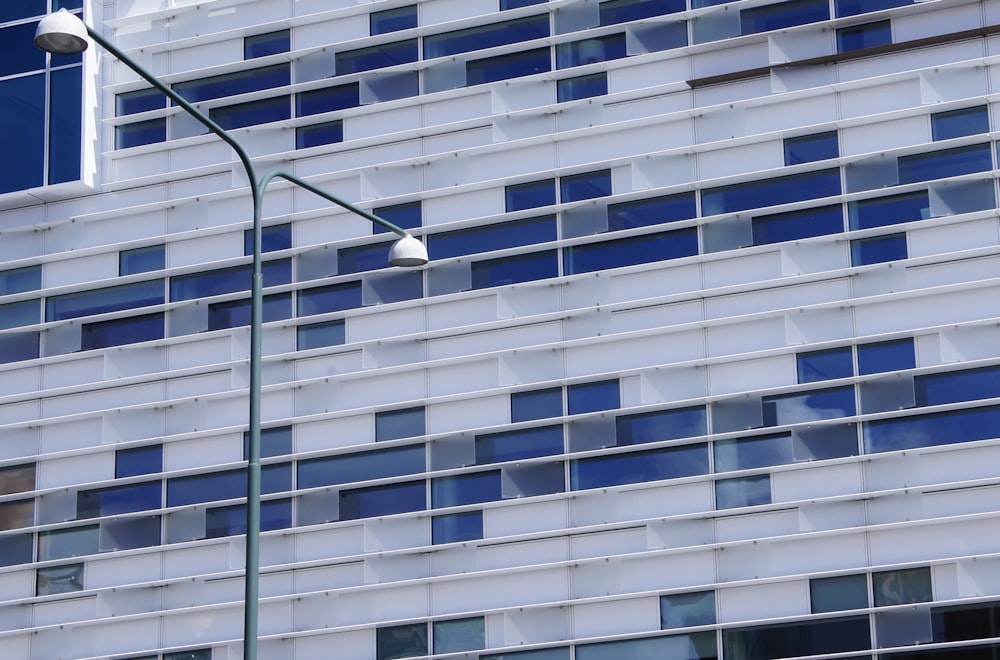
(705, 363)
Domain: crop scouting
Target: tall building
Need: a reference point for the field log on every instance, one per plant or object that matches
(705, 364)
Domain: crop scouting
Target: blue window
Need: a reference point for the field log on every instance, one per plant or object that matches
(138, 460)
(65, 124)
(100, 301)
(756, 452)
(892, 210)
(270, 43)
(275, 441)
(408, 215)
(361, 466)
(199, 488)
(590, 51)
(685, 610)
(327, 99)
(959, 123)
(405, 641)
(472, 488)
(828, 364)
(383, 500)
(623, 11)
(17, 549)
(22, 9)
(139, 133)
(519, 444)
(771, 192)
(592, 397)
(935, 429)
(118, 332)
(808, 406)
(696, 646)
(582, 87)
(783, 15)
(393, 20)
(276, 478)
(661, 425)
(16, 314)
(517, 4)
(878, 249)
(228, 280)
(883, 356)
(315, 135)
(486, 36)
(361, 258)
(318, 335)
(140, 100)
(796, 225)
(639, 466)
(588, 185)
(498, 236)
(252, 113)
(530, 195)
(955, 386)
(868, 35)
(652, 211)
(839, 593)
(376, 57)
(142, 260)
(810, 637)
(811, 148)
(743, 491)
(536, 404)
(459, 635)
(236, 313)
(855, 7)
(395, 424)
(232, 520)
(20, 280)
(504, 67)
(231, 84)
(630, 251)
(455, 527)
(119, 499)
(515, 269)
(945, 163)
(330, 298)
(20, 60)
(18, 346)
(23, 132)
(272, 238)
(902, 586)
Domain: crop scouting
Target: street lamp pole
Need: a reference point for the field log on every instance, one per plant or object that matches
(64, 33)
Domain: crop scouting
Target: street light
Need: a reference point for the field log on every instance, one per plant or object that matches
(64, 33)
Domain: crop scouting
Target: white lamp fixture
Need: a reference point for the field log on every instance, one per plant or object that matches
(61, 33)
(408, 252)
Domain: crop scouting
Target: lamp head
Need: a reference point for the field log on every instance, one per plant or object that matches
(62, 33)
(408, 252)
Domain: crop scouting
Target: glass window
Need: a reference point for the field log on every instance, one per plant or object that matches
(18, 346)
(327, 99)
(68, 542)
(486, 36)
(404, 641)
(536, 404)
(393, 20)
(199, 488)
(942, 428)
(696, 646)
(651, 211)
(590, 51)
(854, 7)
(835, 594)
(505, 67)
(623, 11)
(588, 185)
(592, 397)
(903, 586)
(65, 124)
(868, 35)
(811, 148)
(232, 520)
(945, 163)
(20, 280)
(519, 444)
(808, 406)
(382, 500)
(118, 332)
(272, 238)
(16, 549)
(23, 132)
(17, 479)
(118, 499)
(316, 135)
(639, 466)
(796, 225)
(139, 133)
(621, 252)
(455, 527)
(20, 60)
(661, 425)
(892, 210)
(959, 123)
(100, 301)
(878, 249)
(200, 654)
(140, 100)
(783, 15)
(270, 43)
(17, 514)
(395, 424)
(497, 236)
(13, 9)
(142, 260)
(408, 215)
(756, 452)
(275, 441)
(228, 280)
(330, 298)
(955, 386)
(517, 4)
(743, 491)
(783, 640)
(459, 635)
(962, 622)
(582, 87)
(236, 313)
(231, 84)
(251, 113)
(883, 356)
(318, 335)
(514, 269)
(686, 610)
(771, 192)
(376, 57)
(361, 258)
(361, 466)
(138, 460)
(472, 488)
(25, 312)
(59, 580)
(828, 364)
(530, 195)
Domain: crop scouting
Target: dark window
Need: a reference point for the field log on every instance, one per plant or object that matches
(455, 527)
(119, 499)
(878, 249)
(395, 424)
(530, 195)
(316, 135)
(592, 397)
(639, 466)
(783, 15)
(20, 280)
(14, 9)
(317, 335)
(883, 356)
(139, 133)
(236, 313)
(590, 51)
(486, 36)
(811, 148)
(504, 67)
(17, 514)
(588, 185)
(519, 444)
(828, 364)
(100, 301)
(228, 280)
(20, 60)
(517, 4)
(200, 654)
(661, 425)
(945, 163)
(198, 488)
(582, 87)
(695, 646)
(361, 258)
(275, 441)
(892, 210)
(868, 35)
(771, 192)
(16, 314)
(142, 260)
(382, 500)
(59, 580)
(376, 57)
(118, 332)
(959, 123)
(393, 20)
(251, 113)
(231, 84)
(408, 215)
(621, 252)
(327, 99)
(901, 587)
(17, 479)
(935, 429)
(854, 7)
(16, 549)
(685, 610)
(138, 460)
(536, 404)
(272, 238)
(652, 211)
(623, 11)
(361, 466)
(461, 489)
(835, 594)
(514, 269)
(955, 386)
(262, 45)
(784, 640)
(18, 346)
(459, 635)
(140, 100)
(330, 298)
(232, 520)
(796, 225)
(962, 622)
(404, 641)
(497, 236)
